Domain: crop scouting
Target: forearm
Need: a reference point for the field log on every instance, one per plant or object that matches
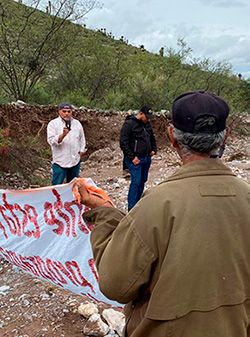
(105, 220)
(122, 259)
(53, 140)
(60, 138)
(53, 136)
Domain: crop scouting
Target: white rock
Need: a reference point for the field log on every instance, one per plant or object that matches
(95, 326)
(87, 309)
(19, 102)
(44, 297)
(25, 303)
(94, 318)
(4, 290)
(115, 320)
(111, 334)
(22, 296)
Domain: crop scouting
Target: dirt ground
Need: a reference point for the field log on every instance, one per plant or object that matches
(30, 307)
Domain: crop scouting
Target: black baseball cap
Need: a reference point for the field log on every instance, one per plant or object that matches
(189, 107)
(147, 111)
(64, 106)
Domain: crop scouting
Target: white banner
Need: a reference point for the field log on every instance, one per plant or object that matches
(42, 232)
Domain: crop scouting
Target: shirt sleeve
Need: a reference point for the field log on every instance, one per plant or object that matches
(52, 134)
(123, 259)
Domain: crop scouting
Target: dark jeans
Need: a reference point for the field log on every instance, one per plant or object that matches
(139, 175)
(60, 173)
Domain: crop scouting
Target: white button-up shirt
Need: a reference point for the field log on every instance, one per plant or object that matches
(67, 153)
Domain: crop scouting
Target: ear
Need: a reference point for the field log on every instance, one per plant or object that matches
(139, 114)
(171, 136)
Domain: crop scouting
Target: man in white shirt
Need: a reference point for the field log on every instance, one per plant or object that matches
(66, 137)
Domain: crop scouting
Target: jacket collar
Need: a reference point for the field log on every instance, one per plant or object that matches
(201, 168)
(139, 121)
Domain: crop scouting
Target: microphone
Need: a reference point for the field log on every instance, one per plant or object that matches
(68, 124)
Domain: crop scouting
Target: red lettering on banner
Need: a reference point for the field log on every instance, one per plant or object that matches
(27, 265)
(48, 208)
(15, 222)
(71, 211)
(80, 223)
(65, 217)
(18, 261)
(2, 227)
(70, 221)
(25, 216)
(17, 227)
(54, 271)
(41, 267)
(91, 263)
(11, 256)
(32, 215)
(10, 222)
(58, 205)
(83, 282)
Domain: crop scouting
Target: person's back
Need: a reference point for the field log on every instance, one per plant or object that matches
(200, 243)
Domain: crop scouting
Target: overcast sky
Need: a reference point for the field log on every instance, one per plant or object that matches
(218, 29)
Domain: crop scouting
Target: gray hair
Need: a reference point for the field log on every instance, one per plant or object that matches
(203, 143)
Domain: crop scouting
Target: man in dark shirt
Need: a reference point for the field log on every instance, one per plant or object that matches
(138, 144)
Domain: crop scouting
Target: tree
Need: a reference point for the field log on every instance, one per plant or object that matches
(92, 69)
(32, 36)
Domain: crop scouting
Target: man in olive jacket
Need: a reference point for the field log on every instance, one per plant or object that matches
(180, 259)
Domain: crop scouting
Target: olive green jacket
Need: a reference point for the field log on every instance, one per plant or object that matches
(185, 246)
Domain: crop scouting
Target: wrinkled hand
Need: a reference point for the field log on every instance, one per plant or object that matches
(82, 154)
(63, 135)
(88, 199)
(65, 131)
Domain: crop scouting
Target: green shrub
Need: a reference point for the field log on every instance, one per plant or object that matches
(76, 98)
(115, 100)
(40, 95)
(4, 100)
